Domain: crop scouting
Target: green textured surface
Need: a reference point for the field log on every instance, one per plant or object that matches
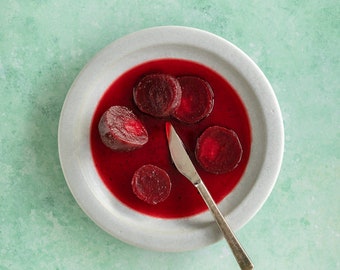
(43, 46)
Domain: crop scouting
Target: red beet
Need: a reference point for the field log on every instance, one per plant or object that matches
(157, 94)
(151, 184)
(121, 130)
(218, 150)
(197, 100)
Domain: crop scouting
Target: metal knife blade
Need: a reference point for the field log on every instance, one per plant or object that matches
(180, 156)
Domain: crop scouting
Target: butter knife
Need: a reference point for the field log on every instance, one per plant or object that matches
(185, 166)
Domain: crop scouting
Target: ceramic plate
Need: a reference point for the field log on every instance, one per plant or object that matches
(170, 42)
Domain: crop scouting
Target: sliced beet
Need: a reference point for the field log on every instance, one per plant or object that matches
(197, 100)
(157, 94)
(121, 130)
(151, 184)
(218, 150)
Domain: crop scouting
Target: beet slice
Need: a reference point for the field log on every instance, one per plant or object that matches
(157, 94)
(197, 100)
(218, 150)
(151, 184)
(121, 130)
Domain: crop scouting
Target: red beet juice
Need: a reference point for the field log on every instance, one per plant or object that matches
(116, 169)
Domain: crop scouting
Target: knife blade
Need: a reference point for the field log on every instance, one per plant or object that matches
(185, 166)
(180, 157)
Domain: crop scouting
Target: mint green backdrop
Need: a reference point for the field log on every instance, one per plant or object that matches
(43, 46)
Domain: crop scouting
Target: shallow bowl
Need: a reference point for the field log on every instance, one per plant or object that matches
(226, 59)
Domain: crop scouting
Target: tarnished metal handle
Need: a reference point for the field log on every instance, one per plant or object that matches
(241, 257)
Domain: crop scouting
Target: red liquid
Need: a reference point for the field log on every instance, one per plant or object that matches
(116, 169)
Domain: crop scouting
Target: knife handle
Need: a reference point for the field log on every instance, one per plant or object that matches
(241, 257)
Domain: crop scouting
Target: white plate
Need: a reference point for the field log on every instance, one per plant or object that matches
(170, 42)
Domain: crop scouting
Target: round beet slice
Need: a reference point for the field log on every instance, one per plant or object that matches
(197, 100)
(151, 184)
(121, 130)
(218, 150)
(157, 94)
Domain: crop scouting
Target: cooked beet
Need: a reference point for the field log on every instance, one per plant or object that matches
(197, 100)
(151, 184)
(121, 130)
(157, 94)
(218, 150)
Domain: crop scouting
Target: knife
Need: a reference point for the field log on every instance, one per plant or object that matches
(185, 166)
